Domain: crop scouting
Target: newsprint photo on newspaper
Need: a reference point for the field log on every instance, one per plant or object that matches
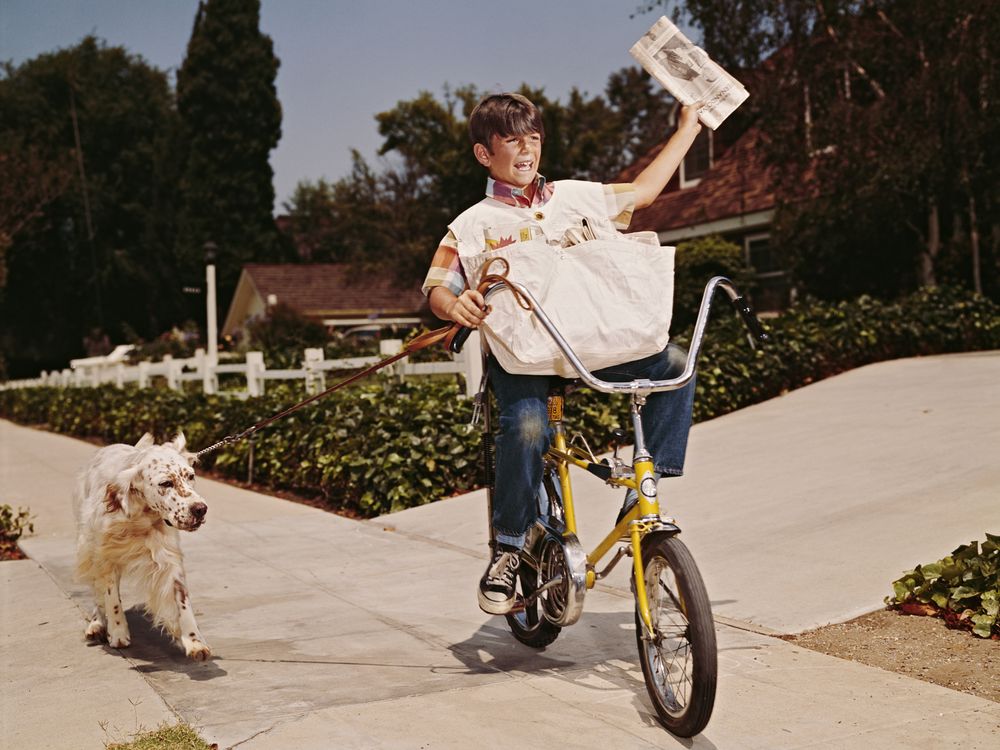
(687, 72)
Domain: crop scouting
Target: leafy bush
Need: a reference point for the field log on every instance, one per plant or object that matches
(386, 445)
(177, 342)
(369, 449)
(695, 262)
(283, 334)
(963, 588)
(12, 527)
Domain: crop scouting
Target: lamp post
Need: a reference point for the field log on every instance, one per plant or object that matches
(211, 323)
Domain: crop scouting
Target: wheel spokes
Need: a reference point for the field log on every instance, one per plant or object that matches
(669, 652)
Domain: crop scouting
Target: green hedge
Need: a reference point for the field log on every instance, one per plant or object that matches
(386, 445)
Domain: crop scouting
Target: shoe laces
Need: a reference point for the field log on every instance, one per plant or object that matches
(505, 564)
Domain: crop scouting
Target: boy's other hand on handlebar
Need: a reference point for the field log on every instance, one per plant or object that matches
(469, 309)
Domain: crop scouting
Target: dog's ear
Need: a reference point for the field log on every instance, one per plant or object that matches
(117, 492)
(178, 444)
(145, 441)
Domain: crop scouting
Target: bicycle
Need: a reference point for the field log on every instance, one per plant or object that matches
(675, 632)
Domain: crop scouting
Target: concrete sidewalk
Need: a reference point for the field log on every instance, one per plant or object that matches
(335, 633)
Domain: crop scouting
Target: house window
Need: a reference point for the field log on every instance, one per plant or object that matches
(760, 255)
(698, 159)
(771, 280)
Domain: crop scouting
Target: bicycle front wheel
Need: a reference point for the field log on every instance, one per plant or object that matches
(679, 660)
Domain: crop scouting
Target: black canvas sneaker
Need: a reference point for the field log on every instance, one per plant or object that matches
(496, 587)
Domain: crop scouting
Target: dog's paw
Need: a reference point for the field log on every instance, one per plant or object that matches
(95, 631)
(119, 641)
(198, 651)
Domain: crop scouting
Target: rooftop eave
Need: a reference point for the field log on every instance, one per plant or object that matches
(728, 225)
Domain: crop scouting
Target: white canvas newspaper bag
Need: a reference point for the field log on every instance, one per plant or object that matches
(610, 299)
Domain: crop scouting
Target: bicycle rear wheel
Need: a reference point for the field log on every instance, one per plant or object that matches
(528, 624)
(680, 660)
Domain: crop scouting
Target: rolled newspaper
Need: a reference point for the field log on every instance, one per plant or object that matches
(688, 73)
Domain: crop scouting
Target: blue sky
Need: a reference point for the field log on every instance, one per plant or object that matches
(343, 62)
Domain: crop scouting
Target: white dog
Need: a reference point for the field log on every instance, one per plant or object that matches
(130, 502)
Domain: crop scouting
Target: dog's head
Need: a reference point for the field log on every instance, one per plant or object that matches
(160, 480)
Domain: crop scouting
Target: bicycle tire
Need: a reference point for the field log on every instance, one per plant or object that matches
(528, 625)
(680, 664)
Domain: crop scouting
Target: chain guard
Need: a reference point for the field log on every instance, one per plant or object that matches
(562, 602)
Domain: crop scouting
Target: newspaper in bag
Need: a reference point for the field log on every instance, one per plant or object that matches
(687, 72)
(610, 299)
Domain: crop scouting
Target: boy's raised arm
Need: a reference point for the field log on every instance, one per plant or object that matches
(651, 181)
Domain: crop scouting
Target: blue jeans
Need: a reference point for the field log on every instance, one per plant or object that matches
(525, 434)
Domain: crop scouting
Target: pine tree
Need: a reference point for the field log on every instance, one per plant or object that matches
(231, 119)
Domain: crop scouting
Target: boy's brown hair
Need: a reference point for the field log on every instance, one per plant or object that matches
(504, 115)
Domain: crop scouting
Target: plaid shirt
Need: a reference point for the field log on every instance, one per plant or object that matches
(446, 267)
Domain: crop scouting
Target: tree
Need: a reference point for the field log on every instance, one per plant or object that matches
(394, 217)
(28, 183)
(882, 114)
(231, 121)
(310, 221)
(97, 188)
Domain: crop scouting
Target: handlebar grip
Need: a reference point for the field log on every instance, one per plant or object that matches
(757, 332)
(459, 339)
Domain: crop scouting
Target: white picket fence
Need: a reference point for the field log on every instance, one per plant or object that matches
(94, 371)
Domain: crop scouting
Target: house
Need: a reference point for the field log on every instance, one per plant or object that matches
(721, 188)
(333, 294)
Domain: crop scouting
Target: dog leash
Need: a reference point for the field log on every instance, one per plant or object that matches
(486, 281)
(446, 334)
(453, 337)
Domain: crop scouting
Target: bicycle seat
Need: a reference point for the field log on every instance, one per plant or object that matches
(565, 386)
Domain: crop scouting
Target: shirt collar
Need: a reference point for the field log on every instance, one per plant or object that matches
(514, 196)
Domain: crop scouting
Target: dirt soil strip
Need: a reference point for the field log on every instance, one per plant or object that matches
(920, 647)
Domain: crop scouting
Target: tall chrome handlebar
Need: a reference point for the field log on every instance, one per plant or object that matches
(644, 386)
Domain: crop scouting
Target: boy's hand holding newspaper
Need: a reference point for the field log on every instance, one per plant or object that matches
(684, 70)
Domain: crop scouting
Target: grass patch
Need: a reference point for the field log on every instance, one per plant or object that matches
(177, 737)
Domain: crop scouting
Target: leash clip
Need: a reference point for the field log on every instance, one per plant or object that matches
(477, 411)
(477, 402)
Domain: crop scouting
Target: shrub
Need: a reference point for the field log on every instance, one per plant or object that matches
(177, 342)
(695, 262)
(12, 527)
(386, 445)
(963, 588)
(283, 334)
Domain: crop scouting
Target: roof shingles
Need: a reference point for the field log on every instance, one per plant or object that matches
(330, 289)
(737, 184)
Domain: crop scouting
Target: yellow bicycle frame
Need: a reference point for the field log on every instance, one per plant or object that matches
(631, 526)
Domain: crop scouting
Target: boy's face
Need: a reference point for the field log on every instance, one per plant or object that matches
(512, 159)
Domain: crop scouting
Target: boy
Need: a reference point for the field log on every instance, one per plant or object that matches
(507, 135)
